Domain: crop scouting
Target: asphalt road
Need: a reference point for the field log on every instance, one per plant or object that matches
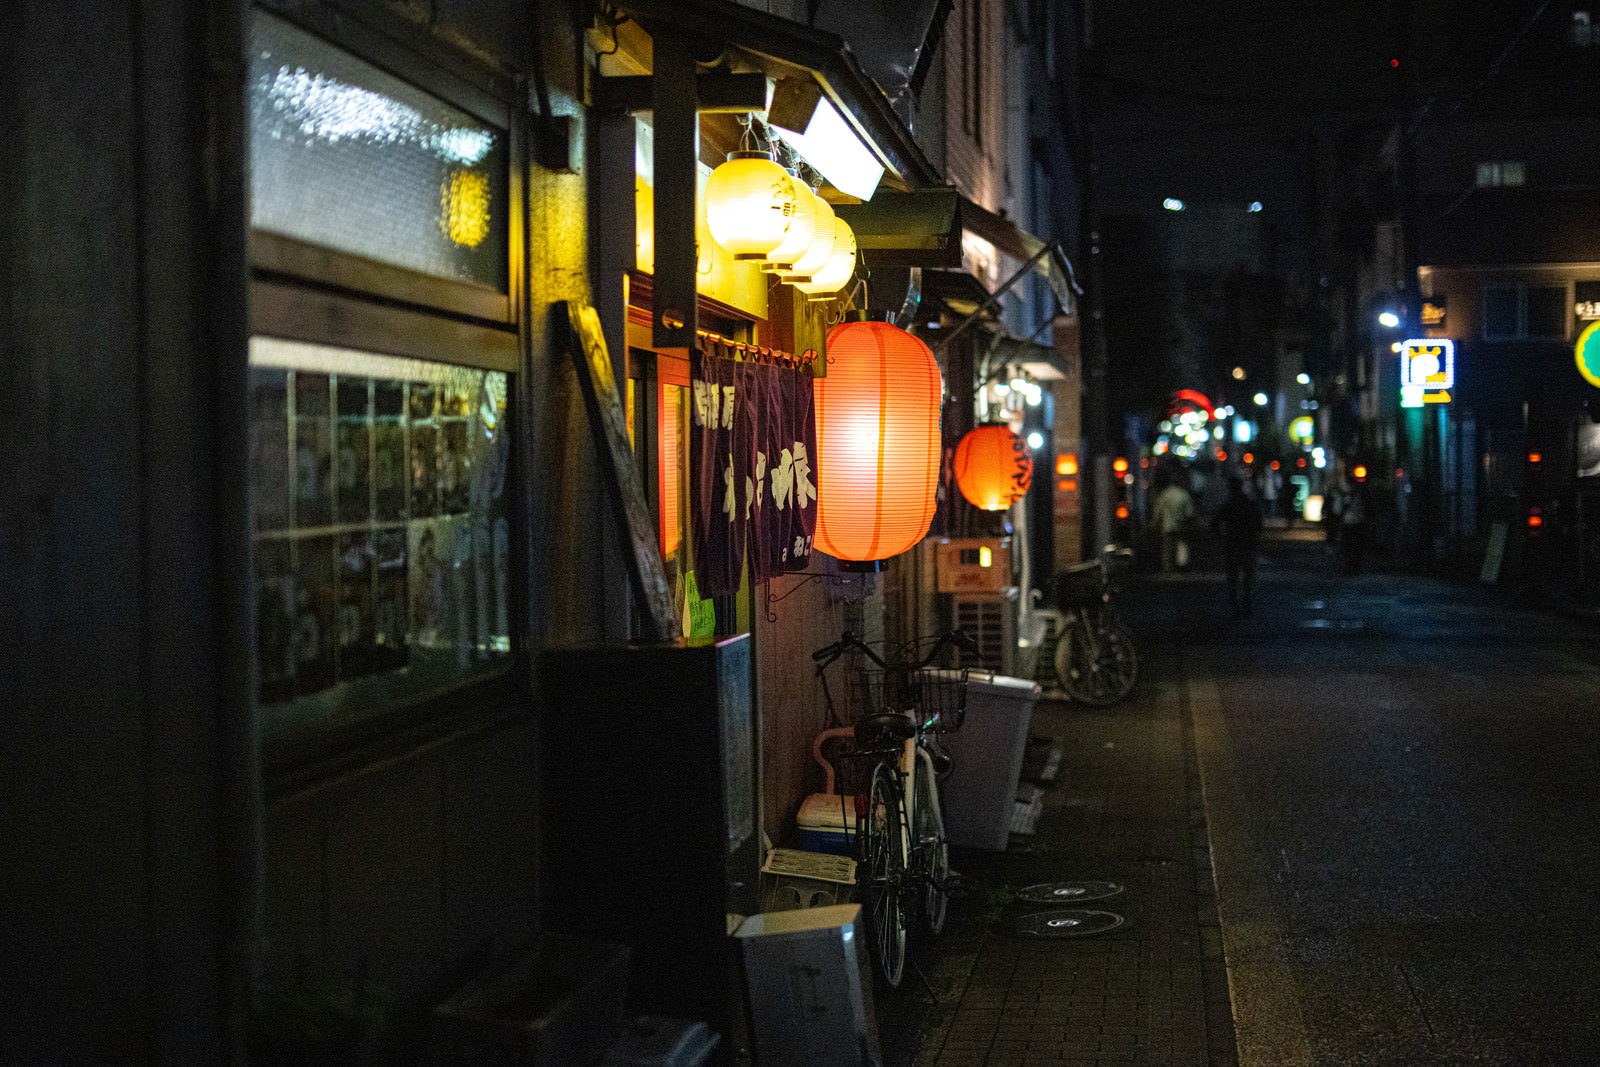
(1402, 782)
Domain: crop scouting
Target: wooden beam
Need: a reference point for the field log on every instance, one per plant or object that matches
(677, 156)
(578, 327)
(718, 92)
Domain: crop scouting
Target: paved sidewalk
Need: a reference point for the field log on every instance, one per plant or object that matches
(1126, 808)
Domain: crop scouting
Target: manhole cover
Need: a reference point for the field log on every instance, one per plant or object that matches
(1067, 922)
(1068, 892)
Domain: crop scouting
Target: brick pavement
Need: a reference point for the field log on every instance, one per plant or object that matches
(1126, 808)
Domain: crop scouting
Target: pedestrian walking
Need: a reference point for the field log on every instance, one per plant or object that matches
(1238, 520)
(1174, 507)
(1353, 528)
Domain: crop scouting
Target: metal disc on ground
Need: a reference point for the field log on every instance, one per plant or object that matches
(1067, 922)
(1067, 892)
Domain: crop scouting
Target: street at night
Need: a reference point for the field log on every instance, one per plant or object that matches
(1398, 774)
(800, 533)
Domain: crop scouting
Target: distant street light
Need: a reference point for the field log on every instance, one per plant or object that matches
(1389, 319)
(1303, 378)
(1260, 399)
(1172, 203)
(1255, 205)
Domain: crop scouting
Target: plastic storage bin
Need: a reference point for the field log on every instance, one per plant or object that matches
(980, 794)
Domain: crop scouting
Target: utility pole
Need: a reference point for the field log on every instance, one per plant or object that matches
(1097, 401)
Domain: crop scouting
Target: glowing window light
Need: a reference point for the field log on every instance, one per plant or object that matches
(464, 207)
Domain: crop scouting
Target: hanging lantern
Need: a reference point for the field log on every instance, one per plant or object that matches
(836, 272)
(750, 203)
(821, 246)
(802, 229)
(993, 467)
(878, 442)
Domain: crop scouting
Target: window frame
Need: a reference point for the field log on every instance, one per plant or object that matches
(301, 291)
(490, 100)
(1520, 330)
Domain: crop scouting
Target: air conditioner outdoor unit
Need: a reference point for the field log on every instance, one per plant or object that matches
(991, 620)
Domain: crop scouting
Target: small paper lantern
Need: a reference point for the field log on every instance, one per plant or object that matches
(835, 274)
(878, 442)
(802, 228)
(993, 468)
(821, 246)
(750, 203)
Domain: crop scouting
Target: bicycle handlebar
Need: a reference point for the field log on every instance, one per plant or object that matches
(848, 641)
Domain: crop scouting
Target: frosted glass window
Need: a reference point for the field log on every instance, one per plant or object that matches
(381, 543)
(346, 156)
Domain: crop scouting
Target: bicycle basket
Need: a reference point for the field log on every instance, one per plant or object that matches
(1080, 588)
(938, 697)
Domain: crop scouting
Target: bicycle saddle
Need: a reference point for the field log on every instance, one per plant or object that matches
(883, 730)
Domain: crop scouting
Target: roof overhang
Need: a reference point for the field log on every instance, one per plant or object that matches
(914, 229)
(785, 49)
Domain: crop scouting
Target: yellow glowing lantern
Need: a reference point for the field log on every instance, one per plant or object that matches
(821, 246)
(802, 229)
(836, 272)
(750, 203)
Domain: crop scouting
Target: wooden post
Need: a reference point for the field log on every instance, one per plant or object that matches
(677, 153)
(579, 325)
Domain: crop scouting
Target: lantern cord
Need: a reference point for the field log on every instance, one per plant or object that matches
(612, 18)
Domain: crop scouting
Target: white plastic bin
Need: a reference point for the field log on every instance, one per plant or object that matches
(981, 791)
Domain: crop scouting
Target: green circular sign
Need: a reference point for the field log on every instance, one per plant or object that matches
(1588, 351)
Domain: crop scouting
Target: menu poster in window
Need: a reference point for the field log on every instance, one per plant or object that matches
(356, 629)
(389, 648)
(269, 448)
(717, 474)
(275, 627)
(315, 613)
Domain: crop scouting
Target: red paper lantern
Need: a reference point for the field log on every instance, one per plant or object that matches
(993, 468)
(877, 442)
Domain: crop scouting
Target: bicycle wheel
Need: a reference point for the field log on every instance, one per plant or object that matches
(930, 857)
(883, 874)
(1097, 669)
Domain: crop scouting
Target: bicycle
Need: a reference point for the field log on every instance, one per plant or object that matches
(902, 850)
(1095, 661)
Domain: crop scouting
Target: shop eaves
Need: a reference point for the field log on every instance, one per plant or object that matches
(784, 49)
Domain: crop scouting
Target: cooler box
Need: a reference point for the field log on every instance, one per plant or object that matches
(980, 794)
(826, 823)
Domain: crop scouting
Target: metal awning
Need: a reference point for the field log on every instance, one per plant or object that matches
(783, 48)
(915, 229)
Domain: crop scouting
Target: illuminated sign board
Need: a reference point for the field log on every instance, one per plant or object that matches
(1588, 353)
(1427, 371)
(1433, 311)
(1586, 301)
